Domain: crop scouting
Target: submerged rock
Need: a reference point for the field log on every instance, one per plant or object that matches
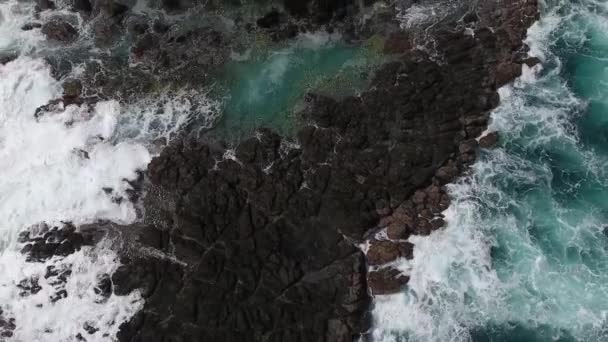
(60, 31)
(31, 26)
(386, 281)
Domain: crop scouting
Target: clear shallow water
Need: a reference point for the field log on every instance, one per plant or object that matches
(524, 256)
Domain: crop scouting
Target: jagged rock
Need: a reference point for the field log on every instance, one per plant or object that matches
(31, 26)
(489, 140)
(7, 58)
(29, 286)
(104, 287)
(47, 242)
(532, 61)
(386, 281)
(60, 31)
(397, 42)
(90, 328)
(83, 6)
(506, 72)
(384, 251)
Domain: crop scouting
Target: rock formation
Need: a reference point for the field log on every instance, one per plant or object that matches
(260, 242)
(265, 240)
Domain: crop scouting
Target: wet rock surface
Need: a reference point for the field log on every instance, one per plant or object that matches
(44, 242)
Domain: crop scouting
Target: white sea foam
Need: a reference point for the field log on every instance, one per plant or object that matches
(13, 15)
(45, 176)
(54, 169)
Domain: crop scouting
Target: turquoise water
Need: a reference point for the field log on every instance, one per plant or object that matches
(525, 254)
(266, 87)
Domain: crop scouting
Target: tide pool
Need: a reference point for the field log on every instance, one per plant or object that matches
(265, 87)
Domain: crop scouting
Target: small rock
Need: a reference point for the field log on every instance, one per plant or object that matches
(59, 295)
(82, 6)
(4, 59)
(468, 146)
(31, 26)
(507, 72)
(386, 281)
(489, 140)
(60, 30)
(384, 251)
(90, 328)
(104, 286)
(72, 88)
(532, 61)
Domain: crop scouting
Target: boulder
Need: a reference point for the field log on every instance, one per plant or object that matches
(60, 30)
(489, 140)
(384, 251)
(72, 88)
(386, 281)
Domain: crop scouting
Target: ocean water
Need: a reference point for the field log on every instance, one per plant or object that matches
(524, 255)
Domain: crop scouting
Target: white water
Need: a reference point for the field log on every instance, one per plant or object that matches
(54, 170)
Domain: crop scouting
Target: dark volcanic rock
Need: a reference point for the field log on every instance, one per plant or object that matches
(31, 26)
(489, 140)
(259, 242)
(7, 58)
(44, 242)
(60, 30)
(386, 281)
(385, 251)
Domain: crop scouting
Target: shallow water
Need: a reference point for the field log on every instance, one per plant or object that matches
(524, 256)
(266, 86)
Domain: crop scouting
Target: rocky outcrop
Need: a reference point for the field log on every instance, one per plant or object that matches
(259, 242)
(60, 31)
